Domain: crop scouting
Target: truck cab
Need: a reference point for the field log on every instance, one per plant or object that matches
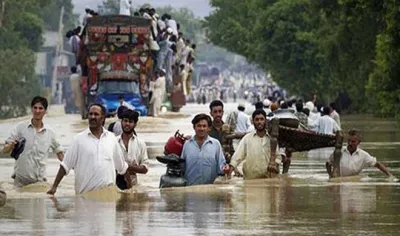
(109, 92)
(116, 61)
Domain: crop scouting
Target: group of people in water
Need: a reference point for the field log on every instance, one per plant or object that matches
(101, 158)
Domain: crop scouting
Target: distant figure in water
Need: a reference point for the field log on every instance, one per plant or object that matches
(3, 197)
(354, 159)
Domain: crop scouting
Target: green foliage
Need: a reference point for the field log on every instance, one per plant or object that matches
(384, 84)
(329, 46)
(50, 13)
(32, 31)
(18, 82)
(20, 37)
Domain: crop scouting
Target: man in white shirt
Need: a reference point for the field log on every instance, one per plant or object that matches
(243, 120)
(125, 7)
(158, 92)
(87, 16)
(133, 149)
(255, 149)
(325, 124)
(172, 24)
(354, 159)
(94, 155)
(30, 166)
(333, 113)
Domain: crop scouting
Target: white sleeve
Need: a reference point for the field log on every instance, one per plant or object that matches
(55, 145)
(369, 160)
(120, 165)
(71, 156)
(240, 153)
(144, 158)
(14, 134)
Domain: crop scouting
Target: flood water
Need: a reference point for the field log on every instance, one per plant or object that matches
(304, 202)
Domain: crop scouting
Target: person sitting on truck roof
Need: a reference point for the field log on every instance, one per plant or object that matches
(125, 7)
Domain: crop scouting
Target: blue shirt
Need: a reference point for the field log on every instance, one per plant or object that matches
(202, 164)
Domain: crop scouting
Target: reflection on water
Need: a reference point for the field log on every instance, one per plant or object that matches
(284, 206)
(302, 203)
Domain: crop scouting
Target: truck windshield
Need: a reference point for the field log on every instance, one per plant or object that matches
(118, 87)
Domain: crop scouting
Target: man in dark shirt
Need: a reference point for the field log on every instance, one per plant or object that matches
(216, 112)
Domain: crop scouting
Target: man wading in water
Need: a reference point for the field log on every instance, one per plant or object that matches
(255, 149)
(133, 149)
(94, 155)
(354, 159)
(30, 166)
(204, 159)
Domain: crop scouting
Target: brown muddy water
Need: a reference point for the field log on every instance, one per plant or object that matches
(304, 202)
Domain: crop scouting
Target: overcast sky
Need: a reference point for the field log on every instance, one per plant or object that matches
(199, 7)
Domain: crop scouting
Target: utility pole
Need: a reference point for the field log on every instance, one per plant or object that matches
(2, 11)
(58, 54)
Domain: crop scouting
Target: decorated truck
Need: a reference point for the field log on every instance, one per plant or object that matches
(116, 62)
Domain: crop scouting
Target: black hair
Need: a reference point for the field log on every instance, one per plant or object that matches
(73, 69)
(121, 111)
(319, 106)
(240, 108)
(258, 112)
(41, 100)
(103, 109)
(173, 38)
(216, 103)
(201, 117)
(91, 12)
(259, 105)
(325, 111)
(69, 34)
(333, 105)
(173, 48)
(299, 107)
(121, 97)
(136, 13)
(130, 115)
(284, 105)
(306, 111)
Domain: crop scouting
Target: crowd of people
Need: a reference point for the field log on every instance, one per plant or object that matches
(172, 52)
(117, 158)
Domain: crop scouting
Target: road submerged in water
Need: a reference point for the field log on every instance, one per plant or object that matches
(304, 202)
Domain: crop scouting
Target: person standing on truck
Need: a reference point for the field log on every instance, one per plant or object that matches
(125, 7)
(30, 166)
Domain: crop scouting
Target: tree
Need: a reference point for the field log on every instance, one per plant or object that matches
(18, 82)
(384, 85)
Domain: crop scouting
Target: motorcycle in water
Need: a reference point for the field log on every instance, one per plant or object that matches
(174, 176)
